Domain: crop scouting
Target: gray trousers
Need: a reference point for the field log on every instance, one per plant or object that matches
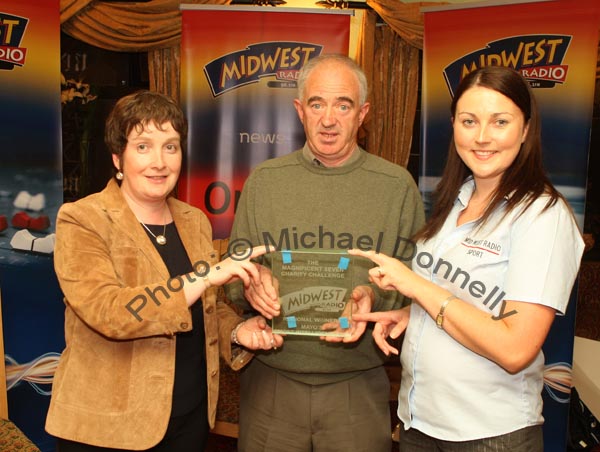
(528, 439)
(278, 414)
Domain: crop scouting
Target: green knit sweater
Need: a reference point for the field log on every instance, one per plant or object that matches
(369, 200)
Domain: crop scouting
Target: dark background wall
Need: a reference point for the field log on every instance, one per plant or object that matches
(110, 75)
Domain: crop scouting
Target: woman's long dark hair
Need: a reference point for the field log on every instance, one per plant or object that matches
(523, 182)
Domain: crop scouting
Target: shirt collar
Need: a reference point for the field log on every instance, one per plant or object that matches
(467, 189)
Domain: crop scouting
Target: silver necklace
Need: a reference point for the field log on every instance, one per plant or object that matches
(161, 239)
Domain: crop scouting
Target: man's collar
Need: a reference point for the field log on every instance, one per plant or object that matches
(310, 156)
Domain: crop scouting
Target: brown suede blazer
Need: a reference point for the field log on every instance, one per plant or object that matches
(113, 386)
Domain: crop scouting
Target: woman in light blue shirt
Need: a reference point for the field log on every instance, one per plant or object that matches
(493, 265)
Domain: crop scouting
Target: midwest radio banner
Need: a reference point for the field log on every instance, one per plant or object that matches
(238, 82)
(554, 45)
(30, 195)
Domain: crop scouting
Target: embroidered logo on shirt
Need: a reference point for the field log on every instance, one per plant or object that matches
(478, 247)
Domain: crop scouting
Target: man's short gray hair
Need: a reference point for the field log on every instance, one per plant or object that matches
(307, 69)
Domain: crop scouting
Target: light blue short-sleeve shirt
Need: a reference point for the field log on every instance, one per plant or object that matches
(447, 391)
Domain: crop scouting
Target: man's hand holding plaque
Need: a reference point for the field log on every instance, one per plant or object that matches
(264, 297)
(361, 303)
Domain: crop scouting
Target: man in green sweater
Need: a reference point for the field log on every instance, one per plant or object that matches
(312, 394)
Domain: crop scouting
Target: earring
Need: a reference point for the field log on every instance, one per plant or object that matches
(119, 175)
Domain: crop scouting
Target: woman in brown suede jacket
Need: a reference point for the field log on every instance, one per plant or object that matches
(140, 370)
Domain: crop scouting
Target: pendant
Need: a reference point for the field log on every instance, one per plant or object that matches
(161, 239)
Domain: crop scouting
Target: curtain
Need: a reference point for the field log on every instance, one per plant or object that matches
(163, 67)
(125, 27)
(389, 54)
(405, 19)
(153, 27)
(394, 84)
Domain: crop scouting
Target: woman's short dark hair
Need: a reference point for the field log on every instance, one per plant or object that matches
(136, 111)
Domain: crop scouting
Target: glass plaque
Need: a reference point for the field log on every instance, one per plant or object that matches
(314, 292)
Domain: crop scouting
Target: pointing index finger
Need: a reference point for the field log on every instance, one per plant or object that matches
(259, 251)
(372, 255)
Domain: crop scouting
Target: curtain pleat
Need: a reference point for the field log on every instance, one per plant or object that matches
(164, 68)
